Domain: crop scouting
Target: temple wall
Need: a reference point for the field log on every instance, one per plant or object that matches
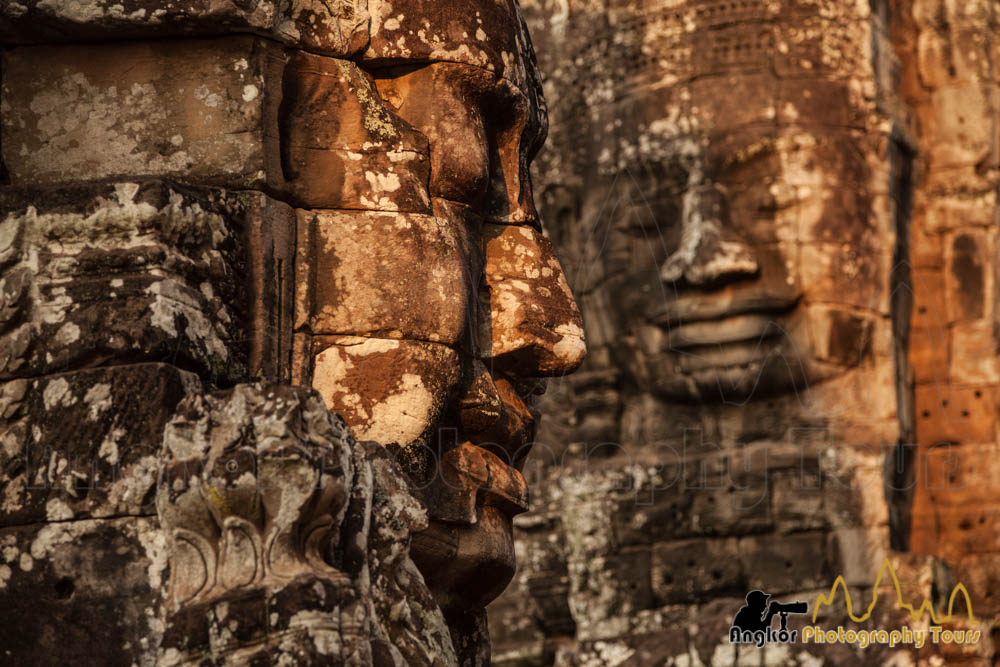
(950, 83)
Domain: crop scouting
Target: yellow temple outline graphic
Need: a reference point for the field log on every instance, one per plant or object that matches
(916, 614)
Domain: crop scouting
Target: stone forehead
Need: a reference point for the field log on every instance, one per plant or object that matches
(489, 35)
(668, 41)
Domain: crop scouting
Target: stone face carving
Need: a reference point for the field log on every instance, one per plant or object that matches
(743, 249)
(207, 212)
(730, 188)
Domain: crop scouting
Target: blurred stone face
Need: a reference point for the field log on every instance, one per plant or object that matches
(736, 245)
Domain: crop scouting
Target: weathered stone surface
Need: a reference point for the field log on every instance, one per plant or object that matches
(389, 391)
(329, 232)
(240, 112)
(341, 145)
(80, 541)
(92, 587)
(482, 135)
(192, 109)
(338, 30)
(290, 537)
(131, 270)
(384, 274)
(493, 38)
(94, 453)
(743, 272)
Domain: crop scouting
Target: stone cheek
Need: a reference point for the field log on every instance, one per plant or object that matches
(534, 323)
(389, 391)
(391, 275)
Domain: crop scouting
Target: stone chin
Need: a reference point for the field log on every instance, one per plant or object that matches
(466, 566)
(775, 373)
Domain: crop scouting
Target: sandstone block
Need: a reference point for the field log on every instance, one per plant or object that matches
(948, 413)
(962, 133)
(484, 63)
(957, 530)
(946, 214)
(84, 445)
(337, 30)
(978, 573)
(340, 146)
(449, 104)
(929, 352)
(930, 300)
(534, 323)
(493, 38)
(606, 590)
(798, 500)
(786, 563)
(132, 270)
(388, 391)
(841, 336)
(386, 274)
(969, 282)
(57, 578)
(192, 108)
(973, 354)
(685, 571)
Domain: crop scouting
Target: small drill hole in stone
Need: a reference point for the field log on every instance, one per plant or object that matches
(65, 588)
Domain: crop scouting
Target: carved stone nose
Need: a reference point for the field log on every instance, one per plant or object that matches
(709, 253)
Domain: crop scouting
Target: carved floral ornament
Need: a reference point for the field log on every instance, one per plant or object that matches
(333, 199)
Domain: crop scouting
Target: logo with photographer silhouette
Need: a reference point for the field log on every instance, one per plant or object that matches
(752, 623)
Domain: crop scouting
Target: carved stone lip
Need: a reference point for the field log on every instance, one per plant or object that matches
(500, 484)
(722, 306)
(735, 329)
